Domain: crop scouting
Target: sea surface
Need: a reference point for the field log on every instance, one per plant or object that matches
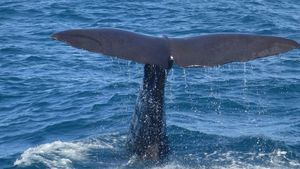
(65, 108)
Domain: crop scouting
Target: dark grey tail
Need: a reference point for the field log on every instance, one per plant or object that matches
(123, 44)
(207, 50)
(218, 49)
(147, 136)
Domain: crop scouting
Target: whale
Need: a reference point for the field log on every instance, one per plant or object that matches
(147, 137)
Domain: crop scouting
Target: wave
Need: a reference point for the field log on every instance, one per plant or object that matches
(189, 149)
(59, 154)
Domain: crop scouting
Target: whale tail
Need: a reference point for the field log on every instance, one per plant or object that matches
(206, 50)
(218, 49)
(147, 136)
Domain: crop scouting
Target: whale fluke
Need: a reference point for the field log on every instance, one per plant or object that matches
(123, 44)
(147, 135)
(218, 49)
(206, 50)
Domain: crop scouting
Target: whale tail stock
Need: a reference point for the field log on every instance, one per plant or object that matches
(206, 50)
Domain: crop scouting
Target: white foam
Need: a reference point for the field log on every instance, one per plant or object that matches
(58, 154)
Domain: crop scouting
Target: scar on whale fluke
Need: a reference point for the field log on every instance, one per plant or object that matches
(147, 135)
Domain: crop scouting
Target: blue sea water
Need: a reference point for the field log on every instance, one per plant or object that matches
(62, 107)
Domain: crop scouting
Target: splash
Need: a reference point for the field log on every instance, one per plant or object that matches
(59, 154)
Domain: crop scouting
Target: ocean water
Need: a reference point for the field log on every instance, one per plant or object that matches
(62, 107)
